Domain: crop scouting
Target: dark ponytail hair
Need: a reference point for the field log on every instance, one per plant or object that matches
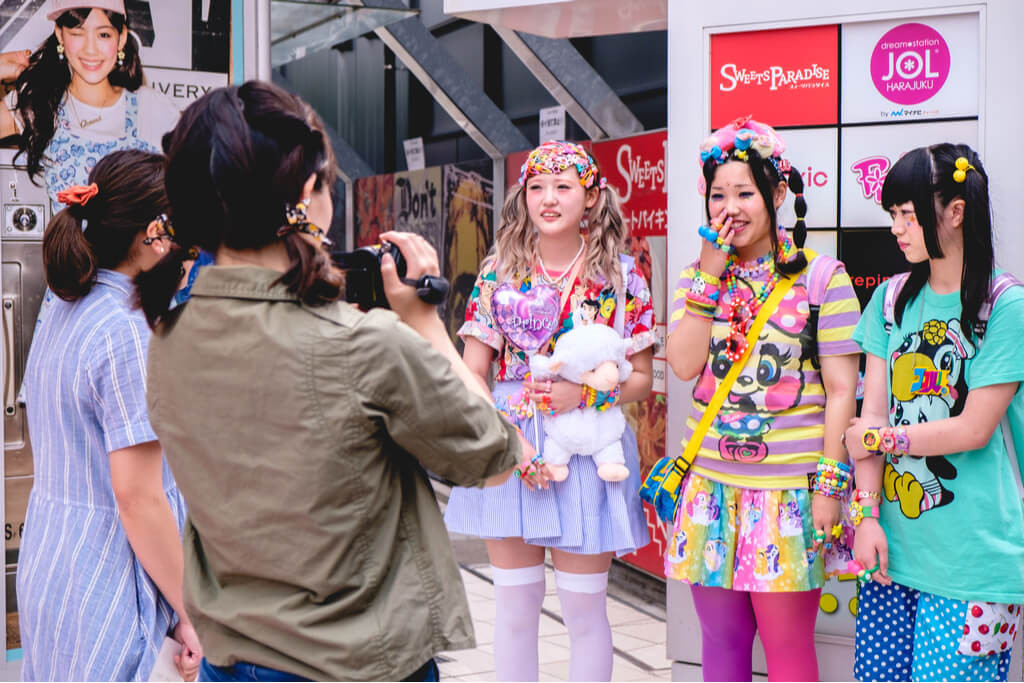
(238, 156)
(767, 177)
(131, 195)
(42, 85)
(924, 176)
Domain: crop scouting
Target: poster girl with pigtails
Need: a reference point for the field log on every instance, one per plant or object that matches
(755, 500)
(557, 264)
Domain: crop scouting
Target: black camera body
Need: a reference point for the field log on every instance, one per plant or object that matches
(364, 285)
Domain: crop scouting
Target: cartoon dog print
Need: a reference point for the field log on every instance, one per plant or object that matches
(928, 383)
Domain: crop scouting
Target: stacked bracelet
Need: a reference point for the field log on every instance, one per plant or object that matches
(714, 238)
(832, 478)
(861, 494)
(895, 440)
(599, 400)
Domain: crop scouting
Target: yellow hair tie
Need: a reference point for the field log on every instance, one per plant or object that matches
(962, 166)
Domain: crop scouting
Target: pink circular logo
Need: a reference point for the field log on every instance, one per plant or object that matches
(910, 63)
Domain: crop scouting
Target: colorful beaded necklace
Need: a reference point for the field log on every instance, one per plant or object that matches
(742, 312)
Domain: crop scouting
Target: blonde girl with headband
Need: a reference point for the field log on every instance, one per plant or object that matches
(764, 327)
(558, 249)
(943, 521)
(100, 573)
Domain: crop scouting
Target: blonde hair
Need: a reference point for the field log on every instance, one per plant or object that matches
(515, 246)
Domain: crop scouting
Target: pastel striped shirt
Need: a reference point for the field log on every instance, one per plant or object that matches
(770, 430)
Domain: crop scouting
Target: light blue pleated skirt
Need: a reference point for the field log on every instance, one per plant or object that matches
(583, 514)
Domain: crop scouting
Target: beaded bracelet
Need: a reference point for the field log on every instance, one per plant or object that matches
(832, 478)
(599, 400)
(859, 494)
(700, 300)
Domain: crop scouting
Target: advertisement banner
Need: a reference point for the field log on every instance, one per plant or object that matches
(468, 230)
(416, 205)
(871, 256)
(788, 77)
(910, 69)
(635, 167)
(373, 196)
(870, 151)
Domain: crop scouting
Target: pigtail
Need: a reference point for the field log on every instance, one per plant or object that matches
(68, 257)
(155, 288)
(979, 259)
(606, 238)
(796, 186)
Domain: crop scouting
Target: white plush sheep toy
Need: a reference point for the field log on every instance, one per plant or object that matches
(594, 355)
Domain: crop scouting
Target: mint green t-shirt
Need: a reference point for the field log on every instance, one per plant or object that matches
(955, 523)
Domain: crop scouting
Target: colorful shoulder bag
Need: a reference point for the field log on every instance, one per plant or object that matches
(664, 482)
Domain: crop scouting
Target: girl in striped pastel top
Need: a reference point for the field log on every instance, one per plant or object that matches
(750, 537)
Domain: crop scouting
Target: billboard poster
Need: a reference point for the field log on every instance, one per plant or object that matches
(788, 77)
(416, 205)
(635, 167)
(910, 69)
(871, 256)
(373, 197)
(870, 151)
(468, 234)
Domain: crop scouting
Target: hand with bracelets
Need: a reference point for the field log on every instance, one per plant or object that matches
(714, 253)
(553, 397)
(863, 440)
(830, 486)
(870, 545)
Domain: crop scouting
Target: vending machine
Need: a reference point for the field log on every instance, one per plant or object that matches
(186, 49)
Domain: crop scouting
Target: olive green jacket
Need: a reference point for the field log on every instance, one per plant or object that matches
(298, 436)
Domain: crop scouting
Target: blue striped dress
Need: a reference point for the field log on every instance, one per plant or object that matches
(87, 608)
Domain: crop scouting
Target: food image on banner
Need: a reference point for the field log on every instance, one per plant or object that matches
(870, 151)
(785, 77)
(373, 197)
(871, 256)
(469, 217)
(814, 153)
(910, 69)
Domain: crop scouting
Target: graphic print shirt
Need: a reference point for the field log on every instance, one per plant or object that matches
(770, 430)
(958, 515)
(594, 300)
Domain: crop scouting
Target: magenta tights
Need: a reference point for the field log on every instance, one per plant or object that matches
(729, 619)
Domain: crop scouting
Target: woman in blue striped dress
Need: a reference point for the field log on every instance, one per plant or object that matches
(100, 574)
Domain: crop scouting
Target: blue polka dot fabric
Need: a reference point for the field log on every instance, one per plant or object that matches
(908, 635)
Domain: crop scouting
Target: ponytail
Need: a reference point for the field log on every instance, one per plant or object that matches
(311, 276)
(68, 257)
(156, 287)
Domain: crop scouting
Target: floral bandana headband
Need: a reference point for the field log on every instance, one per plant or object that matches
(556, 156)
(742, 134)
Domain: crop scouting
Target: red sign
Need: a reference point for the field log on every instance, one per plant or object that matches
(784, 77)
(636, 168)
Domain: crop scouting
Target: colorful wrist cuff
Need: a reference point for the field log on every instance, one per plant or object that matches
(858, 512)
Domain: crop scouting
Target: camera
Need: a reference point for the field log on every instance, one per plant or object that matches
(364, 285)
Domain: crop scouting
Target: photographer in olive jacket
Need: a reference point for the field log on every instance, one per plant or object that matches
(296, 425)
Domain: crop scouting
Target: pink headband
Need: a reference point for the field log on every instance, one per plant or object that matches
(556, 156)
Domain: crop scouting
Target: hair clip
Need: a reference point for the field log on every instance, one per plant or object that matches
(962, 167)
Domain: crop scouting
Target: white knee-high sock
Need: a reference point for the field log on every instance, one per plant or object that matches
(518, 596)
(584, 609)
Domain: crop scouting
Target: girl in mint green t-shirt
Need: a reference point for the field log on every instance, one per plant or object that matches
(942, 527)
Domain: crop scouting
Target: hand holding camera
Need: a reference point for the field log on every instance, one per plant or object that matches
(365, 286)
(420, 288)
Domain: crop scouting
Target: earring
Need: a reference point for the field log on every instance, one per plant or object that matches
(120, 57)
(584, 223)
(60, 52)
(296, 215)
